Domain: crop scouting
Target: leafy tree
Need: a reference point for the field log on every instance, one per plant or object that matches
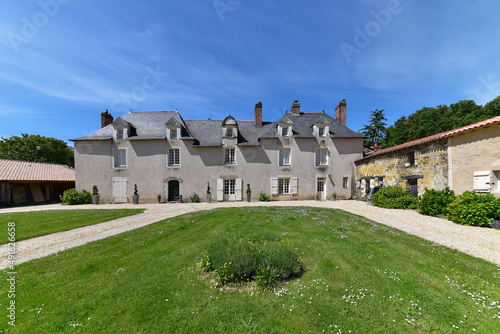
(429, 121)
(36, 148)
(375, 130)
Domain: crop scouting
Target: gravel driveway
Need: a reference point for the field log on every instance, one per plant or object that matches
(480, 242)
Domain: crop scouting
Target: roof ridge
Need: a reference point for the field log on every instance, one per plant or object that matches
(37, 162)
(153, 111)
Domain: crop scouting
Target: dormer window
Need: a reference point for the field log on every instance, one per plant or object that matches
(174, 133)
(120, 134)
(229, 132)
(321, 131)
(284, 131)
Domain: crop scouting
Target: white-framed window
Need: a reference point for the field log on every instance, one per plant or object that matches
(284, 131)
(229, 187)
(174, 133)
(229, 155)
(345, 182)
(321, 158)
(229, 132)
(120, 158)
(284, 156)
(174, 158)
(321, 131)
(120, 134)
(283, 185)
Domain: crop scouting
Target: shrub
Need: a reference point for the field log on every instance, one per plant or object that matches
(435, 202)
(394, 198)
(73, 197)
(263, 257)
(195, 198)
(95, 191)
(474, 209)
(263, 197)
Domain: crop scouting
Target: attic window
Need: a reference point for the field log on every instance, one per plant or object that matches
(411, 159)
(229, 132)
(321, 131)
(120, 134)
(284, 131)
(174, 133)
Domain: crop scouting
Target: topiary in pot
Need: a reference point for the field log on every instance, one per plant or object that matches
(95, 195)
(135, 197)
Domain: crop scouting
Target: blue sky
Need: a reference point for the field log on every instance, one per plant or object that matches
(63, 62)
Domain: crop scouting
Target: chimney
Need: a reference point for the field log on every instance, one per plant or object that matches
(258, 113)
(296, 108)
(376, 147)
(340, 112)
(106, 119)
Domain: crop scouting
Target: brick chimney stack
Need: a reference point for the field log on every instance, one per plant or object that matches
(340, 111)
(258, 113)
(106, 119)
(296, 108)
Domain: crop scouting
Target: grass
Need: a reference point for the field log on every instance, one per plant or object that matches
(360, 276)
(38, 223)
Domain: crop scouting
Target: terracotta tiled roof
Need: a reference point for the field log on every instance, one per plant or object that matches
(446, 134)
(13, 170)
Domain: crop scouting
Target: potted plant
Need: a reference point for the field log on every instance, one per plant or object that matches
(95, 195)
(209, 195)
(334, 196)
(135, 197)
(249, 193)
(317, 196)
(159, 198)
(180, 199)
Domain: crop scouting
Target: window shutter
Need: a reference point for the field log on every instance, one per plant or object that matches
(237, 188)
(220, 190)
(294, 183)
(482, 181)
(274, 186)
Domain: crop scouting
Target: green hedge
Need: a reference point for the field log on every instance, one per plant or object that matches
(435, 202)
(73, 197)
(394, 198)
(474, 209)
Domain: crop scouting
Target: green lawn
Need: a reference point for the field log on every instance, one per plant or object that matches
(37, 223)
(361, 277)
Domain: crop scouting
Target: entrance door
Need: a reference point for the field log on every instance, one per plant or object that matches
(229, 190)
(173, 191)
(413, 184)
(120, 190)
(320, 187)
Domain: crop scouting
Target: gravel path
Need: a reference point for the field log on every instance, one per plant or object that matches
(483, 243)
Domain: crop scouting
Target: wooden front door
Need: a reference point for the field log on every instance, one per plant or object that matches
(173, 191)
(413, 185)
(120, 190)
(320, 187)
(229, 189)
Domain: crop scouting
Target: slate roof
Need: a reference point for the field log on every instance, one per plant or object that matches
(446, 134)
(13, 170)
(148, 125)
(151, 125)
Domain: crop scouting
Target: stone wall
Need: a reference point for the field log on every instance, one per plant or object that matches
(425, 163)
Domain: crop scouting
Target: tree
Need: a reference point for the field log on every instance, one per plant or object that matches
(375, 131)
(36, 148)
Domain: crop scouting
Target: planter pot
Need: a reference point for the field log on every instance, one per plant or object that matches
(95, 199)
(249, 197)
(135, 199)
(495, 224)
(334, 198)
(209, 198)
